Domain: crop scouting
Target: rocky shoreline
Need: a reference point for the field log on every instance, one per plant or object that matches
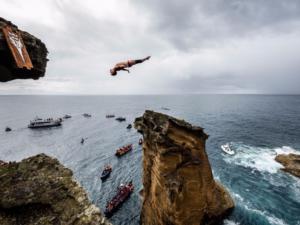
(39, 190)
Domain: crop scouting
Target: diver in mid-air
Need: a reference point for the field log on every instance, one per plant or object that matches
(127, 64)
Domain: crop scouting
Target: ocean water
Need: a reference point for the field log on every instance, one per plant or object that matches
(257, 126)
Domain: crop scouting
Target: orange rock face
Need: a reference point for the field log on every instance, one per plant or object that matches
(291, 163)
(179, 188)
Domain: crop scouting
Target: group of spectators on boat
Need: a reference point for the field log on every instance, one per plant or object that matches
(123, 193)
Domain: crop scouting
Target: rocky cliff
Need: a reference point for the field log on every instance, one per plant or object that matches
(179, 188)
(36, 50)
(291, 163)
(39, 190)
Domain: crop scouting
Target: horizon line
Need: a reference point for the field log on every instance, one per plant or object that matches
(266, 94)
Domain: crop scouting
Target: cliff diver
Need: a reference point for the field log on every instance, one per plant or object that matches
(127, 64)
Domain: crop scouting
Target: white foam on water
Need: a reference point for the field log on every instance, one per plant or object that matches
(275, 220)
(230, 222)
(237, 197)
(263, 160)
(245, 204)
(271, 218)
(258, 158)
(286, 150)
(295, 186)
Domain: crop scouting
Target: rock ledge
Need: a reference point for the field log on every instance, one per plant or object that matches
(39, 190)
(36, 49)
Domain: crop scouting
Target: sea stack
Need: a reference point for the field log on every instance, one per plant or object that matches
(39, 190)
(179, 187)
(22, 56)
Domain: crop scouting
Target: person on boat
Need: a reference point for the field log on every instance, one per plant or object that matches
(140, 141)
(82, 140)
(123, 65)
(108, 167)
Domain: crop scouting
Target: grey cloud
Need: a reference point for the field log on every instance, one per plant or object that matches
(191, 23)
(220, 83)
(197, 46)
(229, 83)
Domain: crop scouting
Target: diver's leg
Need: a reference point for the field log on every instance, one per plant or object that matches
(136, 61)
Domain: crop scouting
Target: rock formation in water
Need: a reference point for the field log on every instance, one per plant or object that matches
(39, 190)
(291, 163)
(36, 50)
(179, 188)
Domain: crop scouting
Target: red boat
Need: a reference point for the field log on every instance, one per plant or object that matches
(124, 191)
(123, 150)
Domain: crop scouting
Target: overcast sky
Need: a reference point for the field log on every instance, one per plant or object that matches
(197, 46)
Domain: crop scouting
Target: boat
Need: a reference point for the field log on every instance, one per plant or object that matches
(43, 123)
(121, 119)
(106, 172)
(67, 116)
(165, 108)
(123, 193)
(110, 116)
(141, 141)
(129, 126)
(226, 148)
(86, 115)
(123, 150)
(7, 129)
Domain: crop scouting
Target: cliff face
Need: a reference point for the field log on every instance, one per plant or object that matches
(179, 188)
(291, 163)
(36, 50)
(39, 190)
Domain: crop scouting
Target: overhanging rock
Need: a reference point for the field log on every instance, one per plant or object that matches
(22, 56)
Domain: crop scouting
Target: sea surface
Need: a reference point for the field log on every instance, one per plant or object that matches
(257, 126)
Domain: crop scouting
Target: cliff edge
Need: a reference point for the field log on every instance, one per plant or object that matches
(35, 48)
(39, 190)
(179, 187)
(291, 163)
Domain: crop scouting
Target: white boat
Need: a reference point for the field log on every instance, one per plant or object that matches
(67, 116)
(43, 123)
(86, 115)
(226, 148)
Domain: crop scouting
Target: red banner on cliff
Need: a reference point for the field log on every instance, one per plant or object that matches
(17, 48)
